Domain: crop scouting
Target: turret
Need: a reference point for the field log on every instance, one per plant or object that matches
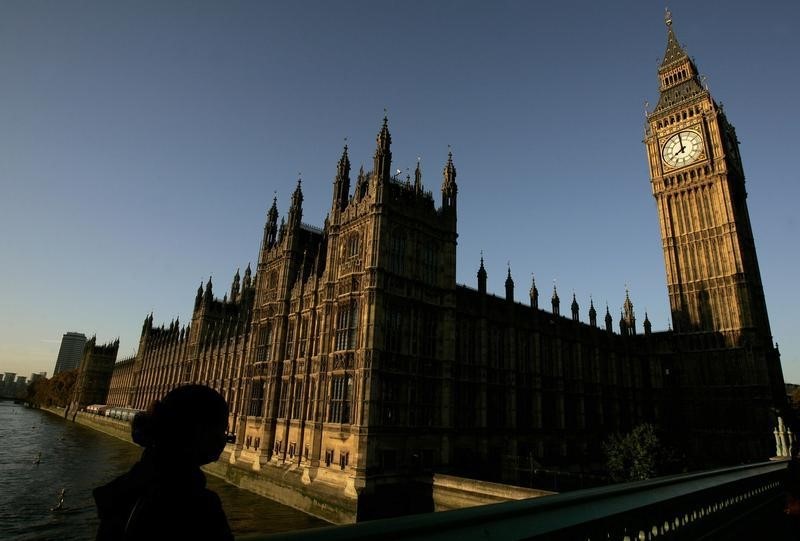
(534, 293)
(482, 277)
(592, 313)
(247, 274)
(556, 302)
(271, 227)
(341, 185)
(382, 163)
(628, 315)
(509, 286)
(648, 327)
(574, 307)
(209, 294)
(235, 287)
(623, 326)
(296, 209)
(609, 320)
(418, 179)
(449, 187)
(199, 298)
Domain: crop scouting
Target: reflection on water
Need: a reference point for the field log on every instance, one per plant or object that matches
(79, 459)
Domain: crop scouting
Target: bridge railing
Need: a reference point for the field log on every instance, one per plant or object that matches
(685, 506)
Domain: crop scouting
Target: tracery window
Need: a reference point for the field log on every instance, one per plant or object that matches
(303, 337)
(256, 399)
(397, 247)
(297, 400)
(353, 245)
(428, 263)
(264, 343)
(341, 392)
(347, 325)
(283, 404)
(289, 339)
(394, 328)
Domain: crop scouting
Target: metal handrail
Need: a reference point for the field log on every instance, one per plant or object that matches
(674, 507)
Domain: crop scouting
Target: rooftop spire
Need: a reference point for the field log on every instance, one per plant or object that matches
(482, 276)
(509, 285)
(534, 293)
(341, 184)
(555, 301)
(449, 186)
(296, 210)
(382, 162)
(674, 50)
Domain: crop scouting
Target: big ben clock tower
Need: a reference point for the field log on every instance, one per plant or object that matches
(713, 279)
(698, 182)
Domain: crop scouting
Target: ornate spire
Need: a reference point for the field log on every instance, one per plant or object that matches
(555, 301)
(247, 274)
(341, 185)
(296, 210)
(209, 295)
(674, 50)
(609, 320)
(534, 293)
(482, 277)
(235, 286)
(271, 227)
(592, 313)
(628, 314)
(648, 327)
(677, 73)
(574, 307)
(509, 285)
(449, 187)
(418, 178)
(199, 296)
(382, 162)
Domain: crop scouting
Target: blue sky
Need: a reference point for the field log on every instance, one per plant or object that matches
(142, 143)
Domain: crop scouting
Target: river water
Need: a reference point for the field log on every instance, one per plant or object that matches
(79, 459)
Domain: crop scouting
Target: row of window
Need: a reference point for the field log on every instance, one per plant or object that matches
(347, 320)
(416, 329)
(339, 401)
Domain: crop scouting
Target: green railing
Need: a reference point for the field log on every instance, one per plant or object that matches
(687, 506)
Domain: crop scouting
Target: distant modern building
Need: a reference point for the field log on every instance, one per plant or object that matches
(69, 356)
(7, 385)
(36, 376)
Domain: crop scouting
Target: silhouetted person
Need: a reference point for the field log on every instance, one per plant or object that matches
(164, 495)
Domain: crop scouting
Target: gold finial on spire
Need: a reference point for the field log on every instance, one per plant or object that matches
(667, 17)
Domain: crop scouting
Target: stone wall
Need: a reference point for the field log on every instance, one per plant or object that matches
(450, 492)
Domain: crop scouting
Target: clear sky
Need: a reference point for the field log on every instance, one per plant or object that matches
(141, 143)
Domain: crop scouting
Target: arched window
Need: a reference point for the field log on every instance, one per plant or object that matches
(346, 325)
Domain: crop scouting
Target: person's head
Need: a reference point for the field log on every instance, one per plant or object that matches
(189, 423)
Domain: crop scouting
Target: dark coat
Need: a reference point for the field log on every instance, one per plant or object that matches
(160, 499)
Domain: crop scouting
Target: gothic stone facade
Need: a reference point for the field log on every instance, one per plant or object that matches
(94, 373)
(353, 363)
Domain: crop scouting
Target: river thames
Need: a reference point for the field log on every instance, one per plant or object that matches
(78, 459)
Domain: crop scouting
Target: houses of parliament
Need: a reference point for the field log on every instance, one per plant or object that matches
(353, 363)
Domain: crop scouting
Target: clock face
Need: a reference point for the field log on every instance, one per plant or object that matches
(682, 148)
